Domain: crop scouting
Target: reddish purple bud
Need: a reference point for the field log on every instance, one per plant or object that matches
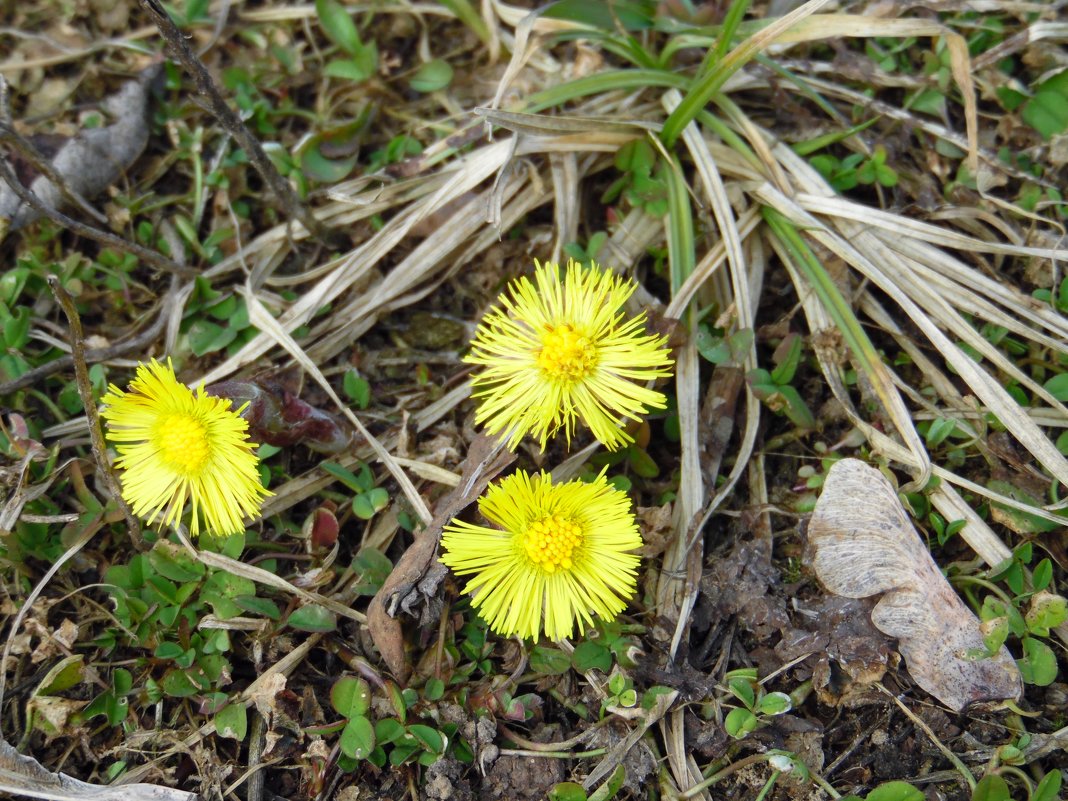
(278, 417)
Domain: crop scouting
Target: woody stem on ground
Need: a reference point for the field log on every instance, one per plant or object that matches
(284, 193)
(85, 391)
(89, 232)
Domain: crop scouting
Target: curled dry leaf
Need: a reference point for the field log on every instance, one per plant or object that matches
(864, 545)
(92, 160)
(24, 776)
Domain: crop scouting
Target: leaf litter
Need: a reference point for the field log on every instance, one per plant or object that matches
(865, 545)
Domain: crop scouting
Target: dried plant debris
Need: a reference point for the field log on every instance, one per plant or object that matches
(851, 654)
(25, 776)
(863, 545)
(416, 576)
(89, 162)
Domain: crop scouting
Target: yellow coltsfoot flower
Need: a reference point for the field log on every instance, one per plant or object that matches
(556, 351)
(176, 445)
(561, 555)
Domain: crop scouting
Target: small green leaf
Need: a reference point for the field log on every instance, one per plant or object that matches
(323, 169)
(174, 562)
(388, 730)
(939, 430)
(17, 328)
(229, 585)
(591, 655)
(1049, 789)
(224, 309)
(1047, 611)
(775, 704)
(366, 505)
(356, 483)
(432, 76)
(178, 684)
(713, 348)
(642, 463)
(168, 650)
(1039, 664)
(1042, 575)
(338, 26)
(232, 721)
(434, 689)
(740, 722)
(1058, 387)
(787, 358)
(347, 69)
(357, 738)
(567, 791)
(1047, 110)
(122, 681)
(350, 696)
(258, 606)
(312, 618)
(895, 791)
(62, 676)
(428, 737)
(373, 569)
(611, 786)
(208, 337)
(549, 661)
(991, 788)
(1020, 521)
(742, 689)
(357, 388)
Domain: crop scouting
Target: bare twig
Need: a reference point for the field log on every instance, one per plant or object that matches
(290, 202)
(40, 163)
(25, 147)
(89, 232)
(96, 434)
(255, 756)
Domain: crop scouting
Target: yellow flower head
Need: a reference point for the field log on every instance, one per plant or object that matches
(563, 553)
(175, 445)
(555, 351)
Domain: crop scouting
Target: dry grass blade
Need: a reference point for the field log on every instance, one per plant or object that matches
(268, 579)
(259, 316)
(24, 776)
(830, 26)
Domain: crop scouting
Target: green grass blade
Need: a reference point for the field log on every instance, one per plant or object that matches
(838, 308)
(628, 80)
(679, 226)
(726, 34)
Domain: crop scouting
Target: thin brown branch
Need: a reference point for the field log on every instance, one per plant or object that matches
(85, 390)
(89, 232)
(25, 147)
(291, 204)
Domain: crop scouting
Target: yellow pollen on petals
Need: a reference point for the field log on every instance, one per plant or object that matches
(566, 353)
(551, 542)
(182, 441)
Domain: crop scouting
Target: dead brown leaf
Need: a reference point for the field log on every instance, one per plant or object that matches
(864, 545)
(92, 160)
(417, 574)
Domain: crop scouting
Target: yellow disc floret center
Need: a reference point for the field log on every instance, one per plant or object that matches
(182, 441)
(550, 543)
(566, 353)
